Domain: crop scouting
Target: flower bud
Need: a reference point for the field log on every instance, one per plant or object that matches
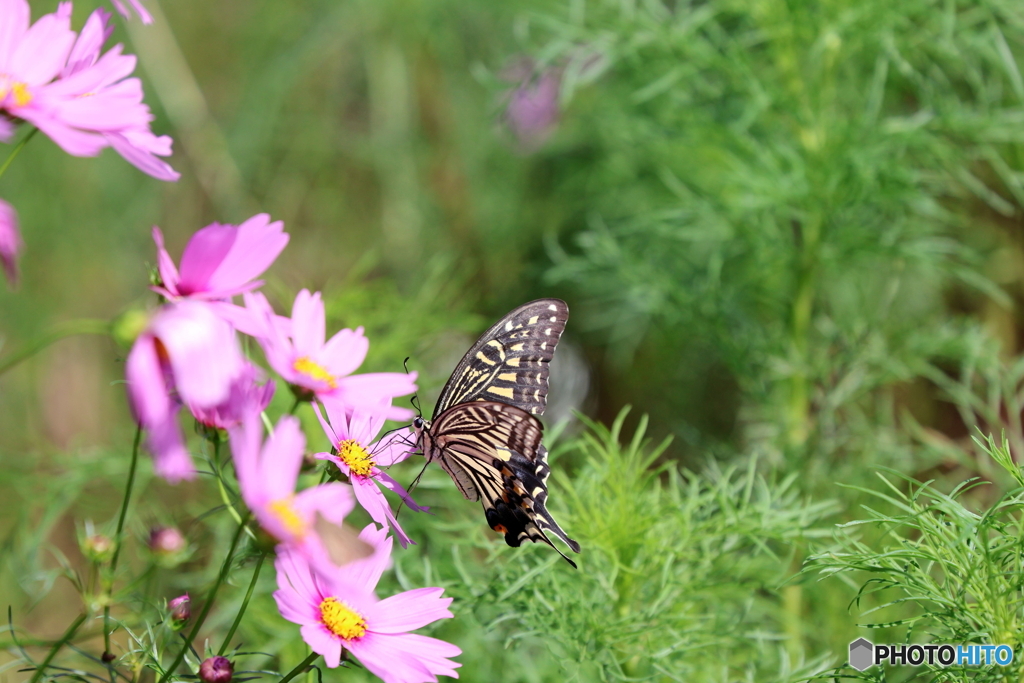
(128, 326)
(166, 540)
(180, 610)
(97, 548)
(216, 670)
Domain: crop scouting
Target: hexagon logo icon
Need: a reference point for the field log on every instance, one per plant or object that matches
(861, 654)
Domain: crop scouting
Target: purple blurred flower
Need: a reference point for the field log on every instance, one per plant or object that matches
(137, 6)
(82, 100)
(324, 370)
(187, 353)
(166, 540)
(221, 261)
(352, 434)
(246, 396)
(10, 242)
(180, 609)
(339, 611)
(216, 670)
(267, 477)
(532, 112)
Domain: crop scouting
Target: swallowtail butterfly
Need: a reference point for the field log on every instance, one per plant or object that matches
(483, 431)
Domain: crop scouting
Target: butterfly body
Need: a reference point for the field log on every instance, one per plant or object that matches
(484, 432)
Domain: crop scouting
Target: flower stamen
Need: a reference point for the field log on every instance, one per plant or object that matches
(310, 368)
(342, 620)
(355, 456)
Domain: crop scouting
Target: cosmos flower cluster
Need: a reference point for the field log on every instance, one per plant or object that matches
(189, 357)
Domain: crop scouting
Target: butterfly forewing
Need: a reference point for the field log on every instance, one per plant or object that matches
(509, 363)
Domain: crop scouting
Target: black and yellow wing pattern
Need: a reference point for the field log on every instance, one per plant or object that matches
(484, 433)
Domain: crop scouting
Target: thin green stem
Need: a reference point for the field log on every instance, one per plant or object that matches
(14, 152)
(68, 329)
(245, 603)
(299, 668)
(68, 635)
(209, 602)
(129, 485)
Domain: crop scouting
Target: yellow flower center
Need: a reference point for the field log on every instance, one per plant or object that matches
(310, 368)
(285, 512)
(17, 88)
(355, 456)
(341, 620)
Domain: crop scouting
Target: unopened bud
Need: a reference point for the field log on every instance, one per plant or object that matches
(128, 326)
(216, 670)
(166, 540)
(97, 548)
(180, 609)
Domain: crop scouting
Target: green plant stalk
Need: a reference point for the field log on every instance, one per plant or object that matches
(68, 635)
(129, 485)
(68, 329)
(14, 152)
(300, 667)
(245, 603)
(209, 602)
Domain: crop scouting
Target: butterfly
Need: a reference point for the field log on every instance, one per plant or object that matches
(484, 432)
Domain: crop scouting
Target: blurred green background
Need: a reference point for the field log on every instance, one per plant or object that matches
(789, 232)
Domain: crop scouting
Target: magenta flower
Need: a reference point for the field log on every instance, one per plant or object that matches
(324, 370)
(339, 611)
(245, 396)
(145, 16)
(82, 99)
(221, 261)
(10, 242)
(533, 109)
(186, 354)
(267, 477)
(352, 434)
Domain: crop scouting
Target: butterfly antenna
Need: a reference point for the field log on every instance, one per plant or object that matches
(411, 487)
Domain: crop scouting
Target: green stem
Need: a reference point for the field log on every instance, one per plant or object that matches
(68, 329)
(209, 602)
(14, 152)
(245, 603)
(68, 635)
(302, 666)
(117, 535)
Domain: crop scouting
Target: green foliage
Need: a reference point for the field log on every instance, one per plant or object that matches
(943, 571)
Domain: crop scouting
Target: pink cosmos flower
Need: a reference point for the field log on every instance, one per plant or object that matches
(10, 241)
(221, 261)
(245, 396)
(145, 16)
(267, 477)
(82, 100)
(324, 370)
(187, 353)
(352, 434)
(339, 611)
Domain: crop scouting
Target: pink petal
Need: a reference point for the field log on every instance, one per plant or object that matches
(89, 44)
(329, 429)
(257, 246)
(333, 501)
(281, 458)
(308, 326)
(16, 14)
(409, 611)
(390, 484)
(148, 393)
(245, 451)
(395, 447)
(321, 641)
(203, 255)
(141, 158)
(405, 658)
(203, 351)
(376, 505)
(164, 263)
(10, 242)
(43, 50)
(170, 458)
(75, 142)
(345, 352)
(370, 389)
(366, 573)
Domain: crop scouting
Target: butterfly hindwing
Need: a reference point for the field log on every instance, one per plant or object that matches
(493, 453)
(509, 362)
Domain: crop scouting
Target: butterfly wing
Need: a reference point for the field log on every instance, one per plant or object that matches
(509, 362)
(492, 452)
